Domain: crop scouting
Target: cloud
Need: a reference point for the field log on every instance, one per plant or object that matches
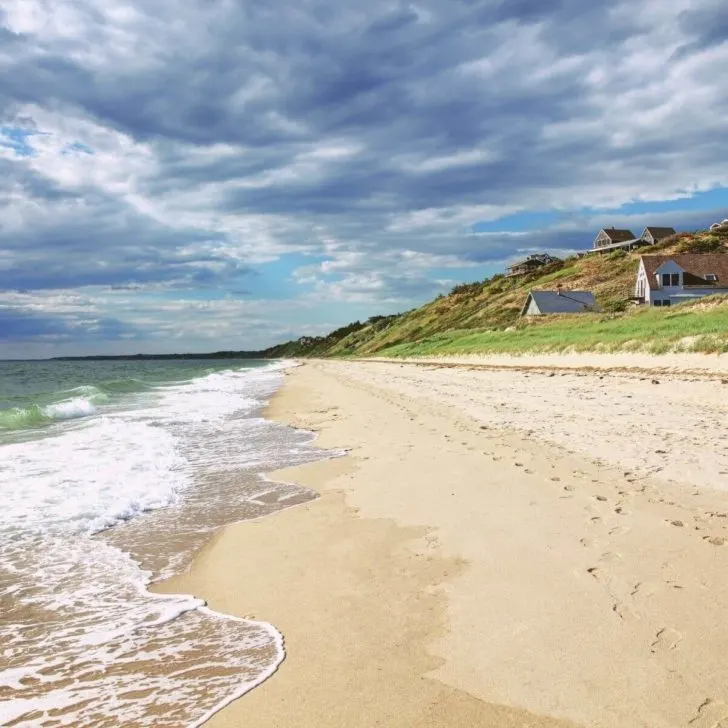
(183, 147)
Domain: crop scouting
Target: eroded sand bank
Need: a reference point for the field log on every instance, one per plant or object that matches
(452, 575)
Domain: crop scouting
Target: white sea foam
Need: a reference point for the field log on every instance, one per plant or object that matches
(182, 451)
(70, 409)
(87, 479)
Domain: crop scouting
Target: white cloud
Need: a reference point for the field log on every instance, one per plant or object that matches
(369, 141)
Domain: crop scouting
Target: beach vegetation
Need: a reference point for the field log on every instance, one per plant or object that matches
(484, 316)
(688, 327)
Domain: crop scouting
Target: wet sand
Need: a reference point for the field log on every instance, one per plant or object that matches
(463, 568)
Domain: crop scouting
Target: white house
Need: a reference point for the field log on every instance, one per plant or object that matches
(539, 303)
(663, 280)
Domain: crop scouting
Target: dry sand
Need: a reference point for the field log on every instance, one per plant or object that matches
(499, 548)
(681, 363)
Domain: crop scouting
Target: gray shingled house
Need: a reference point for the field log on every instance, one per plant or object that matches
(529, 264)
(652, 234)
(539, 303)
(612, 238)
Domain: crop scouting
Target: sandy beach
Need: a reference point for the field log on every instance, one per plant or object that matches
(498, 548)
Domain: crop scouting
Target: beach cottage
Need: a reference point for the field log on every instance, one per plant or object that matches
(664, 280)
(539, 303)
(529, 264)
(653, 235)
(609, 239)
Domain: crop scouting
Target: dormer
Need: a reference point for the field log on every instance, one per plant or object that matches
(668, 275)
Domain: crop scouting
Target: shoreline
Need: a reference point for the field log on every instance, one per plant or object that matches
(322, 683)
(457, 573)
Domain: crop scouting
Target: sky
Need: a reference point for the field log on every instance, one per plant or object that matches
(228, 174)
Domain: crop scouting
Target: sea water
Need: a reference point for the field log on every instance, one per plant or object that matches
(112, 475)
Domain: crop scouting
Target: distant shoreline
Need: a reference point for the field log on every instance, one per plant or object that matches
(142, 357)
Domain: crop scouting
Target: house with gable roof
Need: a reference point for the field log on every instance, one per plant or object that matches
(610, 239)
(540, 303)
(613, 238)
(653, 235)
(664, 280)
(529, 264)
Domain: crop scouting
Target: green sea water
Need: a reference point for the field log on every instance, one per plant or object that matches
(37, 394)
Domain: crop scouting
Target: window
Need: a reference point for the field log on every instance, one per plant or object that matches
(666, 302)
(675, 279)
(711, 277)
(665, 279)
(657, 302)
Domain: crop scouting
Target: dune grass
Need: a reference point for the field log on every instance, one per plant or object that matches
(689, 327)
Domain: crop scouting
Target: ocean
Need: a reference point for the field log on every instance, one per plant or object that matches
(112, 475)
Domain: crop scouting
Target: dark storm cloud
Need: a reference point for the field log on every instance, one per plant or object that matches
(110, 245)
(353, 80)
(19, 325)
(706, 24)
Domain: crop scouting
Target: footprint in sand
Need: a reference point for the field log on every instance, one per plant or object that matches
(624, 612)
(610, 557)
(710, 714)
(666, 640)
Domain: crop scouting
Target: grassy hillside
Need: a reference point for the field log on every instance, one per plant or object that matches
(484, 316)
(696, 326)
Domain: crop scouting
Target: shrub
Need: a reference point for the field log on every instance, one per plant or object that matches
(708, 244)
(466, 288)
(615, 305)
(617, 254)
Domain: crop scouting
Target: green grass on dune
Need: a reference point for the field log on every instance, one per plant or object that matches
(689, 327)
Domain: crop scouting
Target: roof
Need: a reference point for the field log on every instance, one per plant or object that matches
(634, 242)
(618, 236)
(659, 232)
(535, 258)
(564, 302)
(696, 265)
